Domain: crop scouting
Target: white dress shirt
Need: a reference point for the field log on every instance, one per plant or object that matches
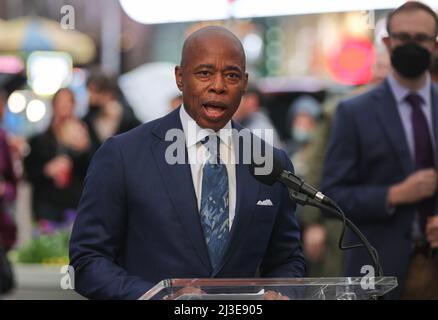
(198, 155)
(405, 110)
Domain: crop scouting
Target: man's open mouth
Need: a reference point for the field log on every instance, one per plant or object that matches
(214, 109)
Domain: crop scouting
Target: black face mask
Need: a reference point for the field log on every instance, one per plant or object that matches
(93, 110)
(410, 60)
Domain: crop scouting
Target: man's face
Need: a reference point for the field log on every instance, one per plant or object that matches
(212, 81)
(64, 106)
(416, 25)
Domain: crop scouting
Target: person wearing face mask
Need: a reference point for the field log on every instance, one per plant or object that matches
(303, 116)
(381, 161)
(108, 113)
(320, 232)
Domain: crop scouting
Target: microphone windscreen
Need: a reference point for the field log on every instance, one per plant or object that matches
(268, 178)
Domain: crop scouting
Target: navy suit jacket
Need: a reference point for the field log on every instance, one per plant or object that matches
(138, 221)
(368, 153)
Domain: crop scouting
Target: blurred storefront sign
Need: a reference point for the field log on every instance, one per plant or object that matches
(149, 89)
(47, 72)
(29, 93)
(30, 34)
(352, 62)
(11, 64)
(168, 11)
(165, 11)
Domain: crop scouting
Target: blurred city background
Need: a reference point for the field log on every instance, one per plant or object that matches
(116, 61)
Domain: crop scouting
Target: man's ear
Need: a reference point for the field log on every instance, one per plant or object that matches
(178, 78)
(387, 43)
(245, 82)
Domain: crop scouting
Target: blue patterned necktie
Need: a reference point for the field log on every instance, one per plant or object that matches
(214, 202)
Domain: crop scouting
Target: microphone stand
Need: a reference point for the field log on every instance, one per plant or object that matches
(337, 212)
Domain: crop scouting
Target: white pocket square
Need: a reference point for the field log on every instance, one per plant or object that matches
(266, 202)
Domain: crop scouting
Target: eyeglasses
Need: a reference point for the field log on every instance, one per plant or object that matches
(418, 38)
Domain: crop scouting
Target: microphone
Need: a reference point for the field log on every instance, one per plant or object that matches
(292, 181)
(305, 194)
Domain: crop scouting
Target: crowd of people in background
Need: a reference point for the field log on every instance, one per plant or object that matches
(58, 159)
(55, 161)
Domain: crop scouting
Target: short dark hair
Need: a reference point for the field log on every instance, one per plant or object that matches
(411, 6)
(103, 82)
(253, 89)
(62, 90)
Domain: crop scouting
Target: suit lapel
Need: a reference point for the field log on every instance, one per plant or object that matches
(434, 106)
(178, 181)
(386, 108)
(247, 191)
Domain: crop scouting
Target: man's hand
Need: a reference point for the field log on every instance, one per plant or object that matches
(314, 241)
(74, 135)
(420, 185)
(183, 291)
(59, 169)
(273, 295)
(432, 231)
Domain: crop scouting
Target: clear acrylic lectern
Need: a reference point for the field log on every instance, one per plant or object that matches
(349, 288)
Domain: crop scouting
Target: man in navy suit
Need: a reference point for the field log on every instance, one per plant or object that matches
(143, 218)
(382, 159)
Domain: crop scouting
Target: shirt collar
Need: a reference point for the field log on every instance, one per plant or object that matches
(194, 133)
(400, 92)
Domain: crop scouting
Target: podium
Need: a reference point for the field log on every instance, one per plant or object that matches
(348, 288)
